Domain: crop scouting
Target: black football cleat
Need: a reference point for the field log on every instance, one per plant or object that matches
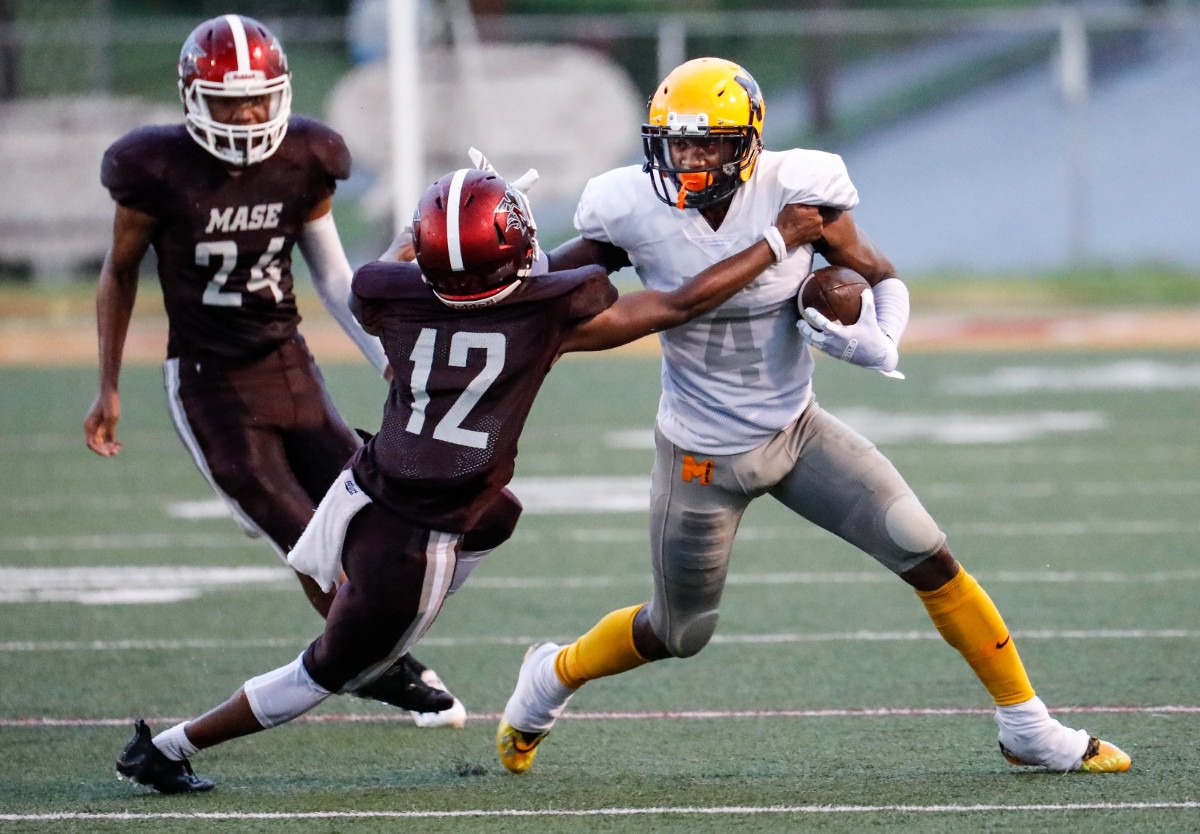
(145, 764)
(401, 686)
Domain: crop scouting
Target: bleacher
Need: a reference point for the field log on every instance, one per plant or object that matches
(55, 216)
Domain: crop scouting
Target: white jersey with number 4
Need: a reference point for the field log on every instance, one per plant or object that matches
(734, 377)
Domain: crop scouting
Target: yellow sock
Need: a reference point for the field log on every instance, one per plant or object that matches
(968, 620)
(605, 650)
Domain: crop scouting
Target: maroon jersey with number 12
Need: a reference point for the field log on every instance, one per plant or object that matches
(225, 236)
(464, 382)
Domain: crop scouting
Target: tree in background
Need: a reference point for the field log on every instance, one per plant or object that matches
(9, 54)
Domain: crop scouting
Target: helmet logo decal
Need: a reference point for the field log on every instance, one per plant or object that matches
(475, 238)
(754, 95)
(511, 204)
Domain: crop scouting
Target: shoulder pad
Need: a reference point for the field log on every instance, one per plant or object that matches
(388, 279)
(816, 178)
(325, 143)
(136, 164)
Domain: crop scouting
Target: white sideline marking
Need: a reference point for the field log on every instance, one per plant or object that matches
(125, 585)
(949, 428)
(525, 640)
(164, 583)
(540, 496)
(1129, 375)
(170, 542)
(660, 810)
(630, 488)
(401, 717)
(118, 541)
(955, 428)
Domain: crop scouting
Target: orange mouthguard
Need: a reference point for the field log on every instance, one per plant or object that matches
(691, 182)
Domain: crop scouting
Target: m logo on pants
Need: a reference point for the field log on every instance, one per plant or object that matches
(693, 471)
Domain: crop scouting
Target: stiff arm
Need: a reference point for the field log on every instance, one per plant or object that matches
(639, 314)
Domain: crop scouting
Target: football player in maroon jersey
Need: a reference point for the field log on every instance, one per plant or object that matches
(471, 331)
(223, 198)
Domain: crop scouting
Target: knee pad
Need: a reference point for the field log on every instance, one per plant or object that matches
(283, 694)
(908, 525)
(688, 634)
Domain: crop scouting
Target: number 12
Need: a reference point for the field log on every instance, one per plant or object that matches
(449, 429)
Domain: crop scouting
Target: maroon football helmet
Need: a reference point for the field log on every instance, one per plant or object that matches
(233, 56)
(473, 237)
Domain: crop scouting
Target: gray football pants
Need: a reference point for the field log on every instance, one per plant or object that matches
(818, 467)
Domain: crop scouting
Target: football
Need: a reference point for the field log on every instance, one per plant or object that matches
(835, 292)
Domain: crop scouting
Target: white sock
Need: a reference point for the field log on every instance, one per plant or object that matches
(535, 706)
(174, 743)
(547, 683)
(1028, 731)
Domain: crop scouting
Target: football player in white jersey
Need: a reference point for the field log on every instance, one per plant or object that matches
(737, 418)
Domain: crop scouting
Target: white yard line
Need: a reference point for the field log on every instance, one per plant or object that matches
(208, 507)
(653, 811)
(402, 717)
(169, 542)
(160, 584)
(33, 646)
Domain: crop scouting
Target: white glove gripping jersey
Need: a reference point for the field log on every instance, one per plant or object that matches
(732, 378)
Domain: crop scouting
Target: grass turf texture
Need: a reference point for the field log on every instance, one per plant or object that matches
(1114, 504)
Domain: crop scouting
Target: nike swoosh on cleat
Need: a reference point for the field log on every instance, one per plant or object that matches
(1001, 645)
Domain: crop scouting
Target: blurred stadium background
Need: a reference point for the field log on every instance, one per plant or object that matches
(1030, 167)
(985, 137)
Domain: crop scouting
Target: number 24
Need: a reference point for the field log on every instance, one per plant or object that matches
(266, 273)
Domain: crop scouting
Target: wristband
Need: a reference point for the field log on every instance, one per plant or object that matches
(775, 240)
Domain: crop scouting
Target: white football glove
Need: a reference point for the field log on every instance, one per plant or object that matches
(862, 343)
(521, 186)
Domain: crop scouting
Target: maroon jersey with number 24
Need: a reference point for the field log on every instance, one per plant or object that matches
(224, 237)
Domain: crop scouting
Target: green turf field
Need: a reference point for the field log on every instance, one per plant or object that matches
(1068, 485)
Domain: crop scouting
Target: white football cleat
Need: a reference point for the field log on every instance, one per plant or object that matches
(1029, 737)
(455, 716)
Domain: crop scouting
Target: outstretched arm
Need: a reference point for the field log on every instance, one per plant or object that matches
(322, 249)
(642, 313)
(116, 292)
(581, 251)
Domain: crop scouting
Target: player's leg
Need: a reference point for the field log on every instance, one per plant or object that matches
(234, 422)
(848, 487)
(229, 422)
(317, 441)
(697, 502)
(265, 701)
(318, 444)
(495, 527)
(397, 577)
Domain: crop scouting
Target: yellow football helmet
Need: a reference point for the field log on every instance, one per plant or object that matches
(705, 98)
